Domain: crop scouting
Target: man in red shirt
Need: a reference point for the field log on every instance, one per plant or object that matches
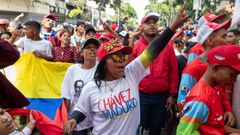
(158, 89)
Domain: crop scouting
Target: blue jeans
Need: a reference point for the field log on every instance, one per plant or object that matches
(153, 112)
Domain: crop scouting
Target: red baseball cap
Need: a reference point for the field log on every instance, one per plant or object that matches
(110, 48)
(62, 32)
(88, 23)
(114, 26)
(4, 21)
(210, 27)
(51, 16)
(209, 17)
(108, 36)
(228, 55)
(150, 16)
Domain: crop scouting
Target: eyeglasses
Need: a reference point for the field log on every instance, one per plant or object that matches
(50, 21)
(119, 58)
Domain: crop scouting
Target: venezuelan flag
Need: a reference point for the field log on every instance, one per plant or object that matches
(40, 81)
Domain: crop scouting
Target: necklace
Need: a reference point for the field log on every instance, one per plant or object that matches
(112, 88)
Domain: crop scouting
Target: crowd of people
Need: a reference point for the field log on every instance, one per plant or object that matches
(152, 80)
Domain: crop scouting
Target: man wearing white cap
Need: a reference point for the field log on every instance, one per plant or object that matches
(208, 17)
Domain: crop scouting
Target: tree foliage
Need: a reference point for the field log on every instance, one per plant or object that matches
(115, 4)
(131, 21)
(168, 8)
(127, 10)
(75, 12)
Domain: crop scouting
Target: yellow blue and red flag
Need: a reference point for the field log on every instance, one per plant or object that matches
(40, 81)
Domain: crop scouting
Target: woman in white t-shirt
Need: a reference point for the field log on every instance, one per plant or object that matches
(112, 99)
(76, 77)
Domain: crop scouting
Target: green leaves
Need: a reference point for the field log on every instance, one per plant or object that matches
(169, 8)
(75, 12)
(167, 11)
(128, 10)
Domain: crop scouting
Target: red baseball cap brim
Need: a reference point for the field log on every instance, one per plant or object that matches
(224, 25)
(219, 17)
(51, 16)
(145, 18)
(4, 21)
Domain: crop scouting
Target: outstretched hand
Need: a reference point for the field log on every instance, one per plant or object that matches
(180, 18)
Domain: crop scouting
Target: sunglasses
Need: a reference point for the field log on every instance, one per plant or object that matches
(119, 58)
(50, 21)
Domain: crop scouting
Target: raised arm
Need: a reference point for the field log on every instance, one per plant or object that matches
(158, 44)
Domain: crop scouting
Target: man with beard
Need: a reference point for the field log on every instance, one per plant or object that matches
(158, 89)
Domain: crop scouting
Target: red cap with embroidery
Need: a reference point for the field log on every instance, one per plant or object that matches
(228, 55)
(110, 48)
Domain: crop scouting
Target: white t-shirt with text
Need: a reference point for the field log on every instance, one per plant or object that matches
(114, 112)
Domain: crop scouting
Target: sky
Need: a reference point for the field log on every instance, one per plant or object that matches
(139, 6)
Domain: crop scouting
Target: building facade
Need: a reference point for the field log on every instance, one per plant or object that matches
(33, 9)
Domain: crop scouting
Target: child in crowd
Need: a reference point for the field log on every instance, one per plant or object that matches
(203, 109)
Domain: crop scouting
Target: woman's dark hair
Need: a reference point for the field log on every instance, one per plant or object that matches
(100, 73)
